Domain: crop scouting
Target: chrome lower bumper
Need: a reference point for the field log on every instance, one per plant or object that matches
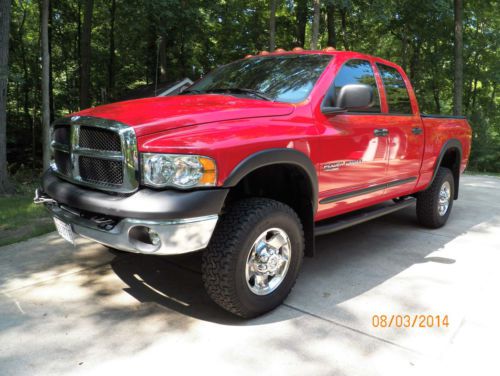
(166, 237)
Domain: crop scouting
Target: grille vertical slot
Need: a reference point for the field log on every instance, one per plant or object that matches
(63, 162)
(61, 134)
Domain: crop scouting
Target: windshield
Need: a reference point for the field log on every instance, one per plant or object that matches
(283, 78)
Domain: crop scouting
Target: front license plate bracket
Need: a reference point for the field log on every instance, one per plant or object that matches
(65, 230)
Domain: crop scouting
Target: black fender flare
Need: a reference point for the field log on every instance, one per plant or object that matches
(452, 143)
(276, 156)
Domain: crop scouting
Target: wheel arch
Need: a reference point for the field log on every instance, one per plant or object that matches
(286, 175)
(450, 157)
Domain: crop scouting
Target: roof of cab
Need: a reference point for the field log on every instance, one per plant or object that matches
(325, 51)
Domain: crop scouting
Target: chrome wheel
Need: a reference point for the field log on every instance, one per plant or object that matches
(268, 261)
(444, 198)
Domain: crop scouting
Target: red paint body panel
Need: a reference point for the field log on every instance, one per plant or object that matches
(229, 129)
(157, 114)
(437, 132)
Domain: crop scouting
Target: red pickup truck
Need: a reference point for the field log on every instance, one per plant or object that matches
(250, 163)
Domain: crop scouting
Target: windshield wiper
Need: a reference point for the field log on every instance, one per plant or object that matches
(235, 90)
(257, 93)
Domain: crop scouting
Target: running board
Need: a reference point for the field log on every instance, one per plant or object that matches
(351, 219)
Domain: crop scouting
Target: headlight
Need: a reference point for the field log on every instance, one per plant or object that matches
(178, 170)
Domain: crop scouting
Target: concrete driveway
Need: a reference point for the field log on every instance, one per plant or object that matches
(66, 310)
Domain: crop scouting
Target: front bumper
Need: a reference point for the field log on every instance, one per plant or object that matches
(131, 235)
(149, 222)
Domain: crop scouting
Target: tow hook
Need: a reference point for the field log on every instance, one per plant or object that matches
(42, 198)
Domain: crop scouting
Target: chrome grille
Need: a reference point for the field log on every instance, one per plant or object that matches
(99, 139)
(101, 171)
(95, 152)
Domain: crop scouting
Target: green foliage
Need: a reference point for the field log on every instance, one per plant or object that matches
(199, 35)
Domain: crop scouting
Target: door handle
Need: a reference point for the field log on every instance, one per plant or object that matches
(381, 132)
(417, 130)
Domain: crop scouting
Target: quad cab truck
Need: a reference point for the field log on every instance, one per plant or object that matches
(252, 162)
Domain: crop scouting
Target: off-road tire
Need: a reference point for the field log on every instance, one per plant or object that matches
(224, 261)
(428, 200)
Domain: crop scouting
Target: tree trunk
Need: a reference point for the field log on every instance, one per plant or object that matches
(315, 25)
(474, 92)
(491, 105)
(162, 53)
(24, 64)
(301, 13)
(51, 68)
(45, 84)
(459, 64)
(343, 19)
(85, 52)
(78, 44)
(111, 50)
(4, 76)
(330, 24)
(183, 57)
(469, 86)
(404, 50)
(272, 25)
(437, 102)
(414, 61)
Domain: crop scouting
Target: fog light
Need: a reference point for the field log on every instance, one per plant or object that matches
(144, 239)
(154, 237)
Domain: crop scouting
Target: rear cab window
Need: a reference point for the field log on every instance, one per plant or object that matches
(396, 92)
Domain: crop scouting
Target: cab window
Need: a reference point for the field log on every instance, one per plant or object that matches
(396, 92)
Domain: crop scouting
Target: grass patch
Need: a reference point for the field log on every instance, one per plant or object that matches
(21, 219)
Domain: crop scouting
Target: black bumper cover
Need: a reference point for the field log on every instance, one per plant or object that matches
(143, 204)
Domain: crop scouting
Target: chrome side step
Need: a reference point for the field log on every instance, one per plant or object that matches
(360, 216)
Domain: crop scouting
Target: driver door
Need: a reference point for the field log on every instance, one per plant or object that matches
(354, 149)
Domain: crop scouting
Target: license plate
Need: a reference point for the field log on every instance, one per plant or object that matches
(65, 230)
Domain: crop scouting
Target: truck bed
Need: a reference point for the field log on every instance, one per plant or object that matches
(438, 130)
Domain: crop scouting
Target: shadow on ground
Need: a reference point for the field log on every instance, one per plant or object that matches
(353, 261)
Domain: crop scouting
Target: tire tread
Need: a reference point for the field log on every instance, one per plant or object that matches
(427, 201)
(219, 259)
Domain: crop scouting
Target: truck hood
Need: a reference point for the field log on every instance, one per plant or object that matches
(151, 115)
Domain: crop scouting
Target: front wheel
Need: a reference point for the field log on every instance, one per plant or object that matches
(435, 203)
(254, 257)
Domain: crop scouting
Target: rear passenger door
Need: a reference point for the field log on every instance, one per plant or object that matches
(405, 136)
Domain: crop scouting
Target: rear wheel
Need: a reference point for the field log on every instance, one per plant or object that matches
(435, 203)
(254, 257)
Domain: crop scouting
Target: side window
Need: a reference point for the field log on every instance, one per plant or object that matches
(398, 99)
(357, 72)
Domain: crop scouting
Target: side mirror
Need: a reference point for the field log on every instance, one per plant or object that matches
(351, 97)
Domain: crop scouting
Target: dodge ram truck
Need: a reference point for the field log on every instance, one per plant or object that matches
(251, 163)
